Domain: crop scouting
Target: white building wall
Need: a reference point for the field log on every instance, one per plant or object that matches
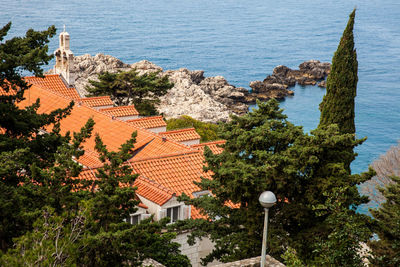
(191, 142)
(101, 107)
(125, 118)
(158, 129)
(153, 208)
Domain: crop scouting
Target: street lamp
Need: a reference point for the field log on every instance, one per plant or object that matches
(267, 200)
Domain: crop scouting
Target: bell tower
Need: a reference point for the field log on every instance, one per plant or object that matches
(65, 59)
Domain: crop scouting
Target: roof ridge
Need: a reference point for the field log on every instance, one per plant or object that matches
(145, 118)
(116, 119)
(173, 154)
(45, 75)
(179, 130)
(152, 133)
(55, 93)
(117, 107)
(94, 97)
(209, 143)
(43, 85)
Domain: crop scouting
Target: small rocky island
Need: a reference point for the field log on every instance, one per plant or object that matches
(282, 78)
(209, 99)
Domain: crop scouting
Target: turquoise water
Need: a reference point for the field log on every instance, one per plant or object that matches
(242, 41)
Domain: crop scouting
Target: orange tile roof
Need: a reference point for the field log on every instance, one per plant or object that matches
(142, 205)
(54, 83)
(87, 174)
(176, 171)
(90, 174)
(113, 132)
(9, 92)
(90, 159)
(182, 135)
(214, 146)
(152, 190)
(121, 111)
(148, 122)
(97, 101)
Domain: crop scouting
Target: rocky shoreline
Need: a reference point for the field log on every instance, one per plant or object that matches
(209, 99)
(282, 78)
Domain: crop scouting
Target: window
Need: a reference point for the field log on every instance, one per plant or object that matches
(173, 213)
(133, 219)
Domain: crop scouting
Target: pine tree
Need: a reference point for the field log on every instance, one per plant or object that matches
(21, 144)
(263, 152)
(129, 87)
(337, 106)
(386, 250)
(254, 160)
(109, 240)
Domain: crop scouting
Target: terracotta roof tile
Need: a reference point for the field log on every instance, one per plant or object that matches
(148, 122)
(9, 92)
(97, 101)
(54, 83)
(214, 146)
(152, 190)
(90, 174)
(182, 134)
(113, 132)
(121, 111)
(87, 174)
(90, 159)
(176, 171)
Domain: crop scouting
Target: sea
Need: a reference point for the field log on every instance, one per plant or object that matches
(242, 41)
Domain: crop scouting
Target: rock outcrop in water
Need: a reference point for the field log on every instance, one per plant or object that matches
(276, 85)
(208, 99)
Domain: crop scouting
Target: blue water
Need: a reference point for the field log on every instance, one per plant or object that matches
(242, 41)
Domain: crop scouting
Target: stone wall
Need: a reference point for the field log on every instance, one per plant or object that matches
(199, 250)
(253, 262)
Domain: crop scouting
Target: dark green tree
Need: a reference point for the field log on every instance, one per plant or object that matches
(263, 152)
(337, 106)
(57, 186)
(22, 143)
(317, 160)
(109, 240)
(254, 160)
(52, 242)
(129, 87)
(386, 249)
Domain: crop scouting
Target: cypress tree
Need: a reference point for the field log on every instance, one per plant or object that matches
(338, 103)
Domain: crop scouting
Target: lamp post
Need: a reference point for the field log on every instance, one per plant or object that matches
(267, 200)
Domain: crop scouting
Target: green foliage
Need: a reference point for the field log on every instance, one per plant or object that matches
(109, 240)
(348, 230)
(52, 242)
(337, 106)
(386, 250)
(23, 148)
(42, 222)
(263, 152)
(20, 54)
(114, 197)
(291, 259)
(254, 160)
(207, 131)
(131, 88)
